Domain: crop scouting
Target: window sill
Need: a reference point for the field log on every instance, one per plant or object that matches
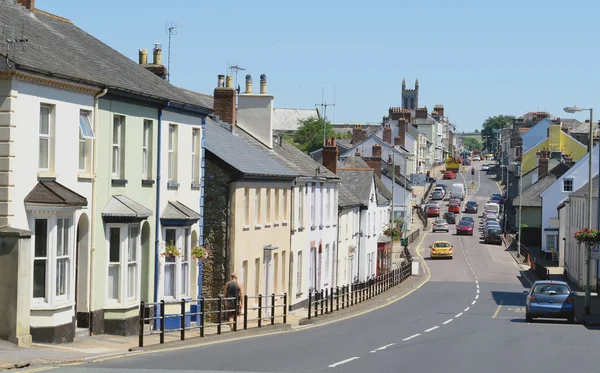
(121, 306)
(301, 229)
(257, 226)
(284, 223)
(85, 176)
(147, 182)
(172, 185)
(320, 227)
(298, 295)
(196, 185)
(267, 225)
(51, 307)
(276, 224)
(46, 175)
(246, 227)
(119, 182)
(328, 226)
(312, 228)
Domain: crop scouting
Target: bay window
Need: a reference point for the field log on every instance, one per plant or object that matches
(123, 263)
(177, 269)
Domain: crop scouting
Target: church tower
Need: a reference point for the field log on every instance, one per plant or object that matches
(410, 97)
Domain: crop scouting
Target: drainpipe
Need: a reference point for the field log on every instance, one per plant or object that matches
(157, 210)
(93, 212)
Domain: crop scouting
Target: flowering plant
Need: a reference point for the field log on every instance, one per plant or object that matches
(171, 251)
(200, 253)
(395, 233)
(588, 236)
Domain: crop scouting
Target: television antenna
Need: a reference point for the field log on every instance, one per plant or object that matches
(171, 29)
(10, 41)
(234, 68)
(324, 106)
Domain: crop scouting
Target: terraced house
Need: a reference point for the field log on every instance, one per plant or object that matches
(85, 216)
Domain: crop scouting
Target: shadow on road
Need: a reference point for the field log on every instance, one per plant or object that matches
(542, 321)
(524, 282)
(507, 298)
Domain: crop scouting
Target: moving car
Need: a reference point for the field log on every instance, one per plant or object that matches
(476, 158)
(471, 207)
(493, 235)
(441, 249)
(464, 227)
(437, 195)
(453, 207)
(449, 175)
(439, 189)
(450, 217)
(550, 299)
(468, 218)
(455, 201)
(458, 191)
(485, 167)
(443, 186)
(433, 211)
(440, 225)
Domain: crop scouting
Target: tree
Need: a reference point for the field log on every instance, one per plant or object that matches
(309, 136)
(471, 143)
(491, 124)
(476, 131)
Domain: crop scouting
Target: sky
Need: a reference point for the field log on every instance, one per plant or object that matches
(477, 58)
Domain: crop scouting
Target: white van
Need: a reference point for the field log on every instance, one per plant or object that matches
(458, 191)
(493, 207)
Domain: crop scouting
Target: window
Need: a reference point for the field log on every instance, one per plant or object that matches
(276, 273)
(86, 135)
(333, 265)
(257, 206)
(177, 269)
(283, 265)
(257, 276)
(123, 263)
(246, 206)
(146, 146)
(551, 242)
(268, 205)
(277, 204)
(321, 189)
(45, 138)
(40, 258)
(172, 151)
(299, 273)
(118, 147)
(567, 185)
(313, 204)
(326, 270)
(328, 206)
(62, 256)
(285, 205)
(196, 155)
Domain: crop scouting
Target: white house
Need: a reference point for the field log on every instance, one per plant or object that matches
(349, 207)
(402, 192)
(560, 190)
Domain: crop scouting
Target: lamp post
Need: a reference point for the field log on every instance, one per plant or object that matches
(588, 262)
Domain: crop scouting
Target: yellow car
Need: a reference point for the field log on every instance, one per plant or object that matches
(441, 249)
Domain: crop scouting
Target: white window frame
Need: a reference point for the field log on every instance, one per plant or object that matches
(313, 205)
(328, 206)
(196, 155)
(299, 273)
(326, 267)
(146, 149)
(86, 137)
(123, 264)
(117, 147)
(564, 186)
(172, 153)
(269, 215)
(51, 297)
(301, 192)
(285, 206)
(257, 209)
(182, 280)
(278, 215)
(46, 137)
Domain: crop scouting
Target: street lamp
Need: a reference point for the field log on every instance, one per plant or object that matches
(575, 109)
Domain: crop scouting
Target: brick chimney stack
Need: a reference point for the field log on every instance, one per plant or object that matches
(28, 4)
(439, 109)
(224, 100)
(543, 164)
(358, 134)
(376, 151)
(330, 155)
(407, 114)
(387, 133)
(156, 67)
(401, 138)
(395, 113)
(421, 113)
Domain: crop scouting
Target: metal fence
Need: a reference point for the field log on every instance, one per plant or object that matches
(541, 270)
(204, 313)
(331, 300)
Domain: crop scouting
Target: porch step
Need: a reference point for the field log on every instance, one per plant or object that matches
(82, 332)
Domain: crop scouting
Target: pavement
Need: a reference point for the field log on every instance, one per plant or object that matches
(466, 315)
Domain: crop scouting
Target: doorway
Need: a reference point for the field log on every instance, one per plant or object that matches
(82, 278)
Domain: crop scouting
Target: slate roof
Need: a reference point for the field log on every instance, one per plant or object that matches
(176, 210)
(357, 177)
(58, 48)
(120, 206)
(583, 128)
(53, 193)
(583, 191)
(246, 156)
(301, 163)
(346, 198)
(289, 119)
(382, 190)
(531, 195)
(352, 150)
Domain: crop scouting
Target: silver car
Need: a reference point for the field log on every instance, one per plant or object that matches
(440, 225)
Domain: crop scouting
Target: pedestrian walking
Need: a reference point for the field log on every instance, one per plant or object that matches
(233, 290)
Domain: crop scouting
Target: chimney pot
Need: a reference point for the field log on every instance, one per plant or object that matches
(157, 54)
(263, 84)
(221, 81)
(248, 83)
(357, 153)
(143, 57)
(28, 4)
(229, 81)
(376, 151)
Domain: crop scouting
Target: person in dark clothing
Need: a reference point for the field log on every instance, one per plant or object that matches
(233, 290)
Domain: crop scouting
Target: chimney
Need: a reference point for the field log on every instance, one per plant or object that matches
(439, 109)
(143, 57)
(157, 55)
(358, 134)
(395, 113)
(387, 133)
(407, 114)
(248, 84)
(376, 151)
(543, 167)
(263, 84)
(421, 113)
(229, 81)
(28, 4)
(401, 138)
(330, 155)
(357, 153)
(224, 101)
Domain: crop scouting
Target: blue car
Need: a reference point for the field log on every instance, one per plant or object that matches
(550, 299)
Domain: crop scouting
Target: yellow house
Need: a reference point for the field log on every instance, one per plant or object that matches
(557, 141)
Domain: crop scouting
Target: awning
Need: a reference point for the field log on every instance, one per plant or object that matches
(178, 214)
(52, 194)
(123, 209)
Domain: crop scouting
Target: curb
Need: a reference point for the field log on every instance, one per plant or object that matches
(23, 364)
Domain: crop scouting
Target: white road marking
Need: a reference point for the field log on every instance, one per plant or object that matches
(477, 297)
(466, 309)
(411, 337)
(473, 302)
(477, 284)
(490, 251)
(343, 362)
(477, 291)
(384, 347)
(459, 315)
(447, 321)
(431, 329)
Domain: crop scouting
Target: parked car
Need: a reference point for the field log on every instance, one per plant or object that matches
(485, 167)
(493, 235)
(440, 225)
(433, 211)
(454, 208)
(450, 218)
(437, 195)
(550, 299)
(464, 227)
(449, 175)
(441, 249)
(471, 207)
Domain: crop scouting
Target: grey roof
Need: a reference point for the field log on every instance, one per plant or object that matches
(583, 128)
(176, 210)
(583, 191)
(53, 193)
(301, 163)
(346, 198)
(352, 150)
(354, 162)
(382, 190)
(58, 48)
(246, 156)
(570, 122)
(124, 207)
(531, 195)
(357, 176)
(289, 119)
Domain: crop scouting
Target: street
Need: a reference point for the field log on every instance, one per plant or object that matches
(469, 317)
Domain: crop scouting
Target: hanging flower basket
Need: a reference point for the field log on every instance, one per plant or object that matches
(200, 253)
(171, 251)
(588, 236)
